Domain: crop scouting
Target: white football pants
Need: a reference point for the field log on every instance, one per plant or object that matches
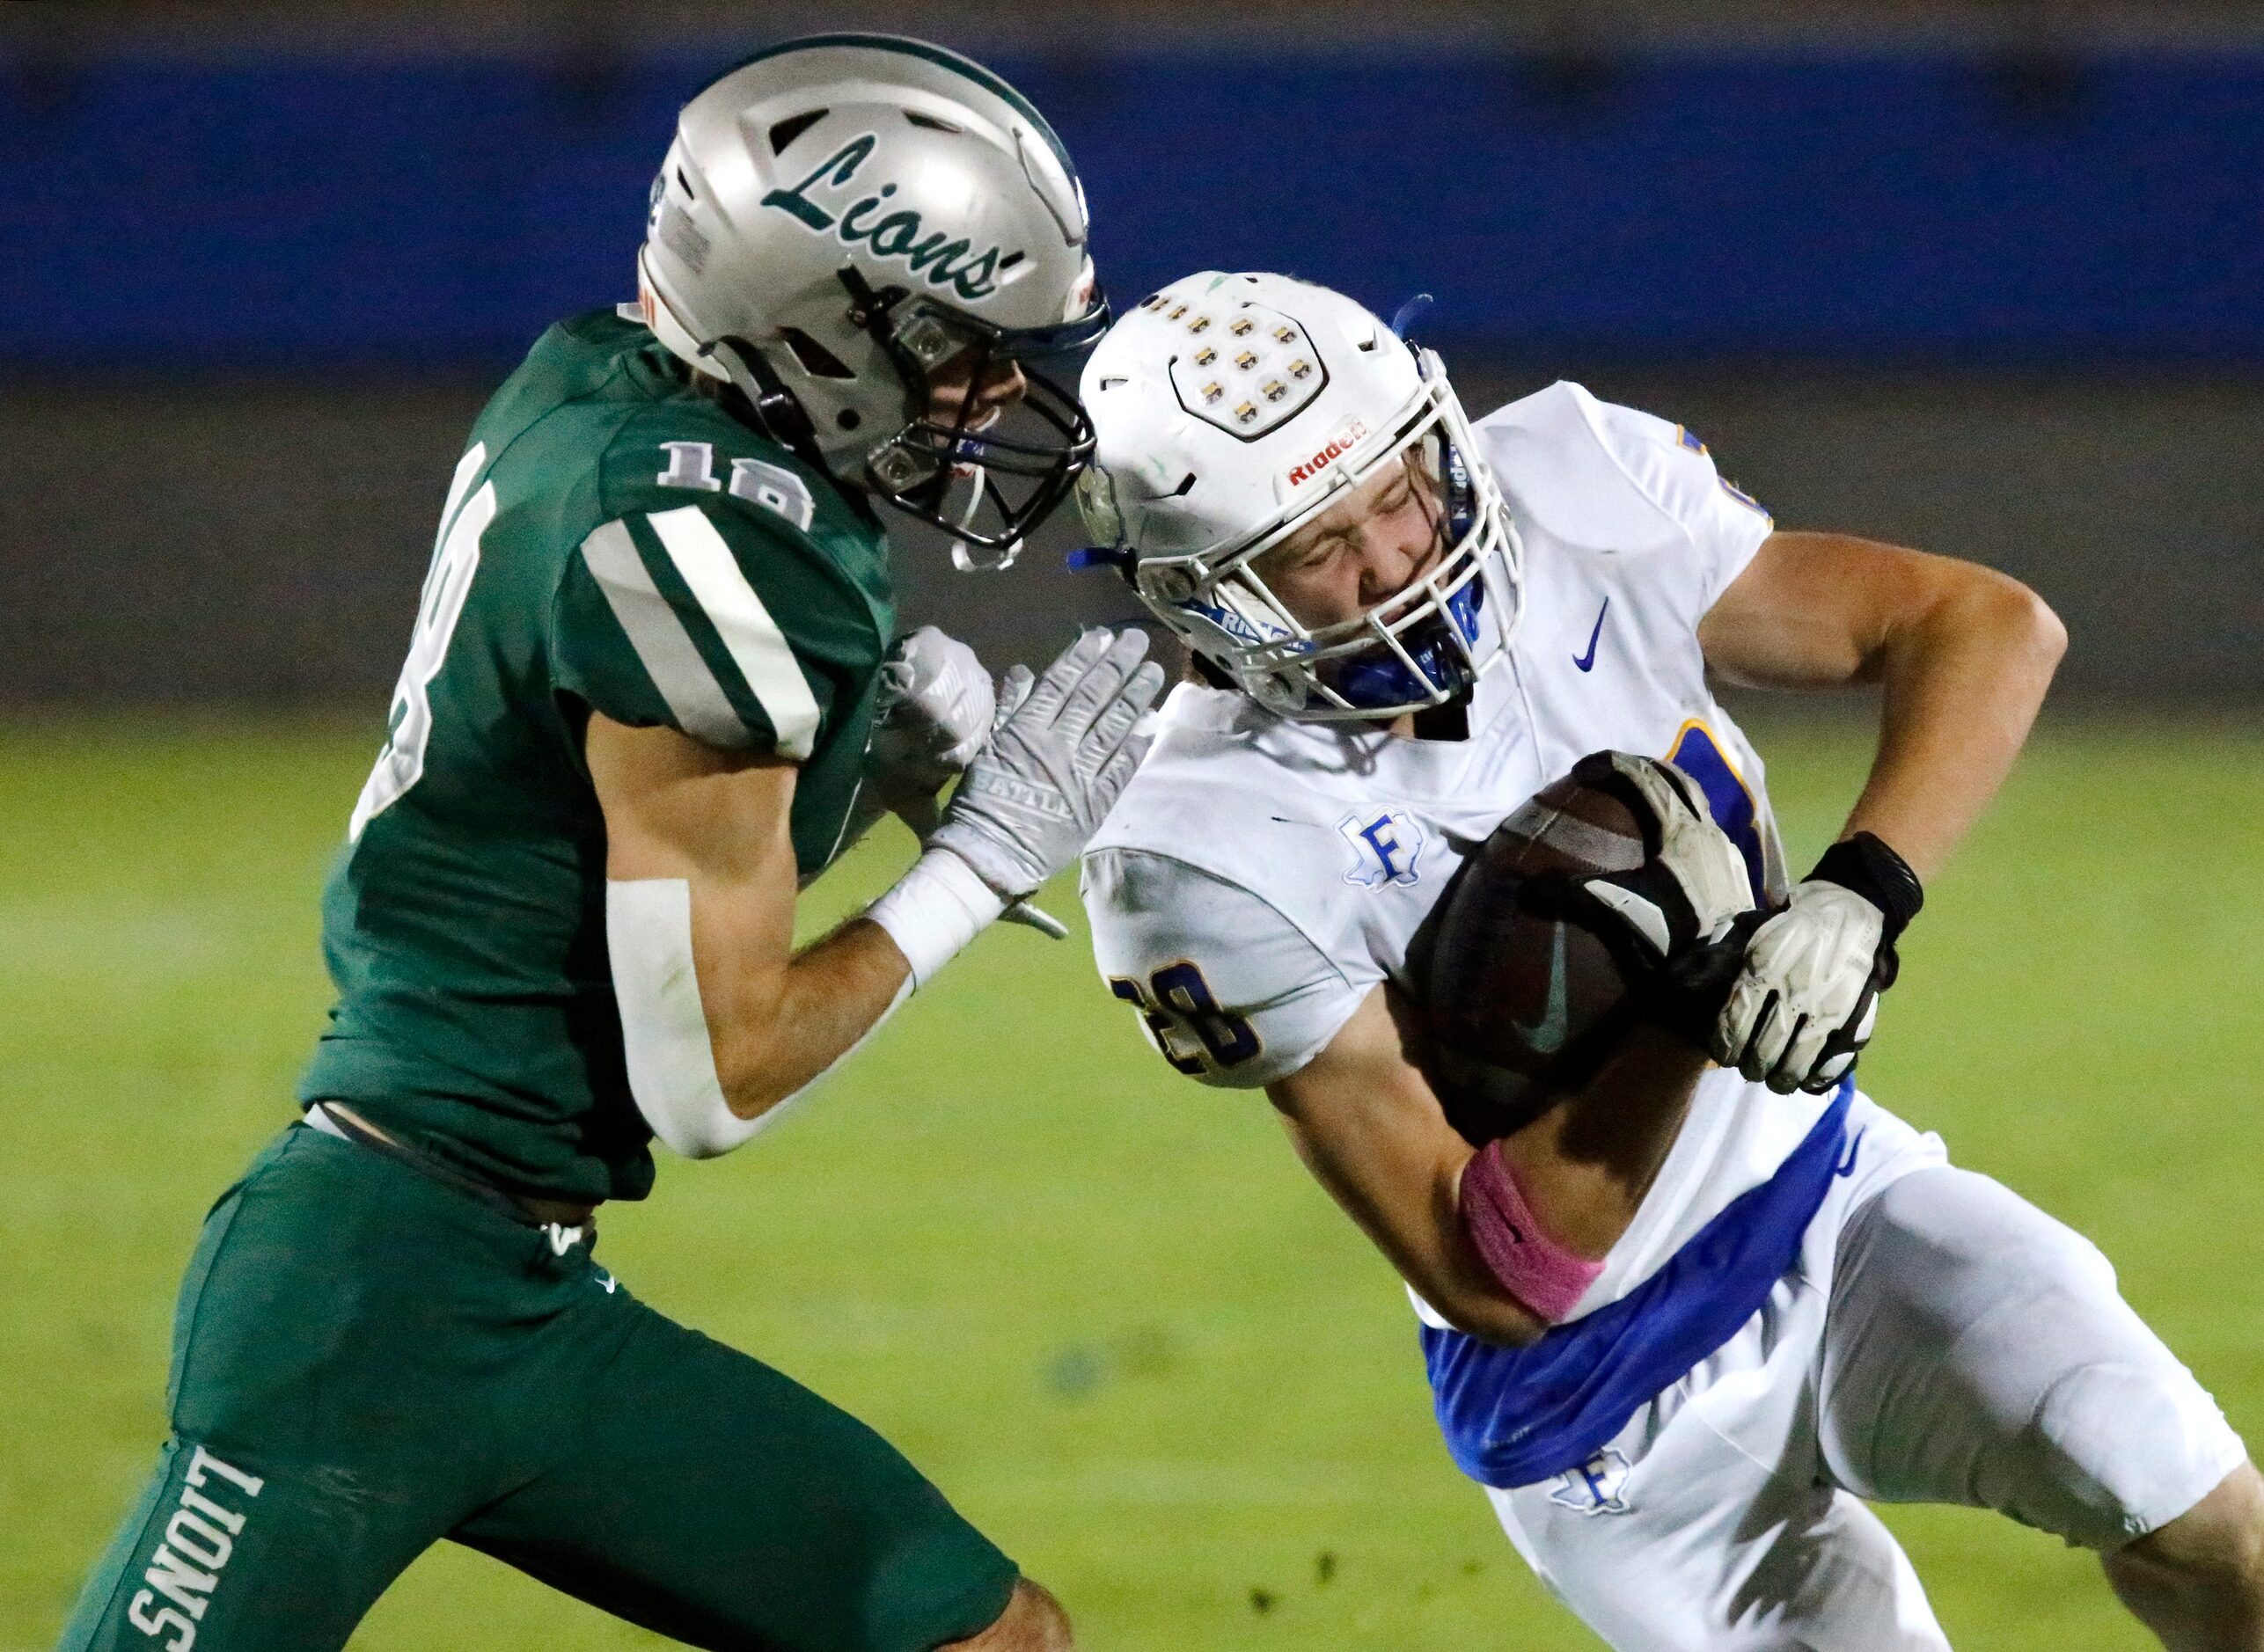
(1940, 1340)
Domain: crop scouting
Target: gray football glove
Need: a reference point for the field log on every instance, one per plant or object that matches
(1807, 996)
(1692, 884)
(1065, 747)
(1674, 922)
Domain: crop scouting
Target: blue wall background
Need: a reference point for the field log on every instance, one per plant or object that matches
(1922, 208)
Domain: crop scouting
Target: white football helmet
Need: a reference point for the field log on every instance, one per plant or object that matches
(844, 217)
(1231, 410)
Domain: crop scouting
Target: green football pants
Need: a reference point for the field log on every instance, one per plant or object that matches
(366, 1360)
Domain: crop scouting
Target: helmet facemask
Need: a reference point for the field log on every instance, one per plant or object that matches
(985, 475)
(1423, 647)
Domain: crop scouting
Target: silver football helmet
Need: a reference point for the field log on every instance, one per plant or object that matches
(1234, 408)
(847, 221)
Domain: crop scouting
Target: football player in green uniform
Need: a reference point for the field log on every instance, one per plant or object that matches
(653, 670)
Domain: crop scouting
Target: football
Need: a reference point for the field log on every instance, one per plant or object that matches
(1514, 1001)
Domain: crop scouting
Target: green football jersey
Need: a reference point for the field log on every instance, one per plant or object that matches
(615, 540)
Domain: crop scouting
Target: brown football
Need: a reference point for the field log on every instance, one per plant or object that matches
(1510, 997)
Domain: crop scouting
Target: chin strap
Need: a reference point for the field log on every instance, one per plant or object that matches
(781, 417)
(962, 554)
(737, 363)
(965, 560)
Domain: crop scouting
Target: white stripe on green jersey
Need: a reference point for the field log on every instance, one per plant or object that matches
(694, 696)
(758, 647)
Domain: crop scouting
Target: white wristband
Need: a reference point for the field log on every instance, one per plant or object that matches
(934, 911)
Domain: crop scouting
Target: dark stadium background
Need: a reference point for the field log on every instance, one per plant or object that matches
(1986, 279)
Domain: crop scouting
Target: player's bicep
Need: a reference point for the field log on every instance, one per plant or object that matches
(700, 892)
(1817, 610)
(677, 807)
(1361, 1110)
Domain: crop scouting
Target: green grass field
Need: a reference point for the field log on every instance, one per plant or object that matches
(1101, 1305)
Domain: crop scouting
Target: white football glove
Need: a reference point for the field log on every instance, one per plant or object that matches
(935, 709)
(932, 714)
(1807, 998)
(1065, 747)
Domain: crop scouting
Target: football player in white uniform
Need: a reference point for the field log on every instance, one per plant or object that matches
(1408, 623)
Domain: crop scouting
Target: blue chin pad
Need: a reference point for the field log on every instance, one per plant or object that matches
(1379, 678)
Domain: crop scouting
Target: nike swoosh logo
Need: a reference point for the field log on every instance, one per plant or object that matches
(1548, 1037)
(1846, 1167)
(1587, 661)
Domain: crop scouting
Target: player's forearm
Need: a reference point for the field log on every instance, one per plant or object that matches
(788, 1019)
(1586, 1163)
(1528, 1221)
(1402, 1193)
(780, 1027)
(1963, 682)
(721, 1021)
(1366, 1124)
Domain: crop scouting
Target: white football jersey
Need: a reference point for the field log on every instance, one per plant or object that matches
(1260, 876)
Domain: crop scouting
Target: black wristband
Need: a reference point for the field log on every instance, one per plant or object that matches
(1864, 863)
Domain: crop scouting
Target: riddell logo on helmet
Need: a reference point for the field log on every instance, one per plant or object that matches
(1340, 444)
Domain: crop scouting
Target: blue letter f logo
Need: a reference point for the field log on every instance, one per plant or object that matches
(1385, 847)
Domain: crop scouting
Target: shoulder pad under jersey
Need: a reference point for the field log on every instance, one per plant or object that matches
(1614, 480)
